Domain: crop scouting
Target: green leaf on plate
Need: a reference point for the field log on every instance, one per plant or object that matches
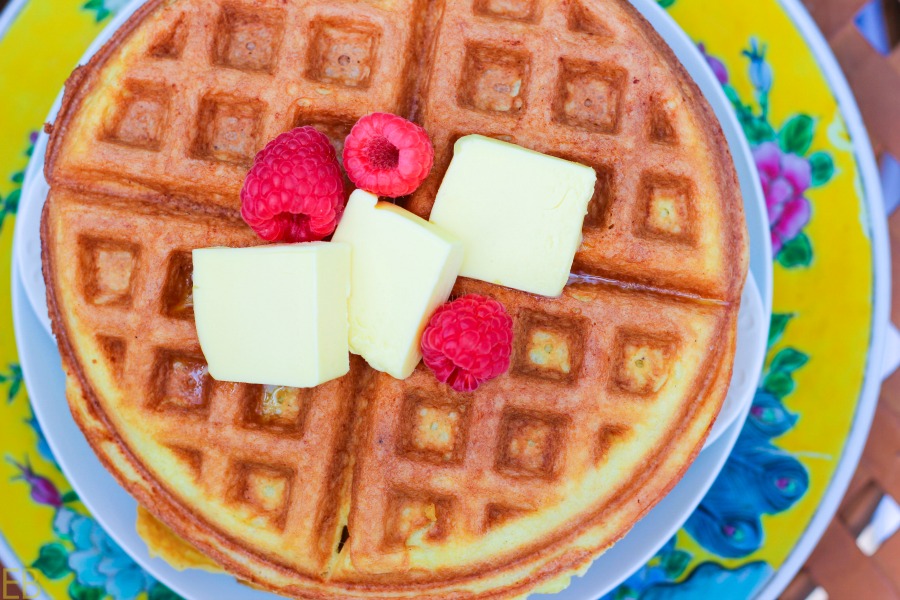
(797, 134)
(18, 177)
(161, 592)
(732, 94)
(778, 324)
(81, 592)
(99, 7)
(822, 167)
(623, 592)
(778, 383)
(796, 253)
(788, 360)
(52, 561)
(69, 496)
(11, 206)
(665, 3)
(674, 563)
(758, 131)
(14, 388)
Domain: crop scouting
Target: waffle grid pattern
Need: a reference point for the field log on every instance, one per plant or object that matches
(590, 379)
(249, 445)
(213, 83)
(549, 76)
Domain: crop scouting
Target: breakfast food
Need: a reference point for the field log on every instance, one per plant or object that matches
(294, 191)
(403, 267)
(468, 341)
(369, 486)
(387, 155)
(275, 314)
(519, 213)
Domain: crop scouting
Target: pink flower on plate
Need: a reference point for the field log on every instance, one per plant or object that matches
(717, 66)
(43, 491)
(785, 177)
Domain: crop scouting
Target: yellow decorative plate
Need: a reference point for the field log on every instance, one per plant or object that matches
(794, 457)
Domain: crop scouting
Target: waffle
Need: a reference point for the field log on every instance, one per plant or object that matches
(367, 486)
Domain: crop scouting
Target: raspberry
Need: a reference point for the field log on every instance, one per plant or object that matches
(387, 155)
(294, 191)
(468, 341)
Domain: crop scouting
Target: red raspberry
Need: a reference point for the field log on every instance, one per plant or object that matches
(468, 341)
(294, 191)
(387, 155)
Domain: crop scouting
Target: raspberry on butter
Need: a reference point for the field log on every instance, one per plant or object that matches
(468, 341)
(387, 155)
(294, 191)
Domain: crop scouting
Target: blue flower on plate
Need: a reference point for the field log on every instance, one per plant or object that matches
(760, 71)
(97, 560)
(710, 580)
(758, 478)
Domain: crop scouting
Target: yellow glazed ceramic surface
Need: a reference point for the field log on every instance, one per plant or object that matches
(802, 415)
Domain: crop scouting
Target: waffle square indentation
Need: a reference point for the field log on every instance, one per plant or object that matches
(191, 458)
(113, 349)
(228, 130)
(666, 208)
(277, 408)
(264, 489)
(169, 44)
(661, 124)
(178, 291)
(342, 51)
(335, 127)
(496, 514)
(608, 435)
(589, 95)
(108, 270)
(248, 39)
(582, 20)
(604, 189)
(415, 515)
(494, 79)
(514, 10)
(641, 362)
(180, 382)
(139, 118)
(531, 443)
(549, 346)
(434, 429)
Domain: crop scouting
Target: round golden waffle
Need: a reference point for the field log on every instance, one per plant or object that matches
(370, 487)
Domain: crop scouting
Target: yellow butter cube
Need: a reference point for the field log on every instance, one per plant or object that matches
(518, 213)
(273, 314)
(403, 268)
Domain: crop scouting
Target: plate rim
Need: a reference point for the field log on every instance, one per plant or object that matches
(867, 401)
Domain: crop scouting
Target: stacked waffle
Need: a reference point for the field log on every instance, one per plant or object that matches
(368, 486)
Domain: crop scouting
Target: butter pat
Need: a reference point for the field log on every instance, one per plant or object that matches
(402, 269)
(518, 213)
(273, 314)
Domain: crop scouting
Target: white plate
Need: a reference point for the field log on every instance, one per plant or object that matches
(116, 510)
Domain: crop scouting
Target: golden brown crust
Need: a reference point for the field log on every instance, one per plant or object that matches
(727, 180)
(561, 447)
